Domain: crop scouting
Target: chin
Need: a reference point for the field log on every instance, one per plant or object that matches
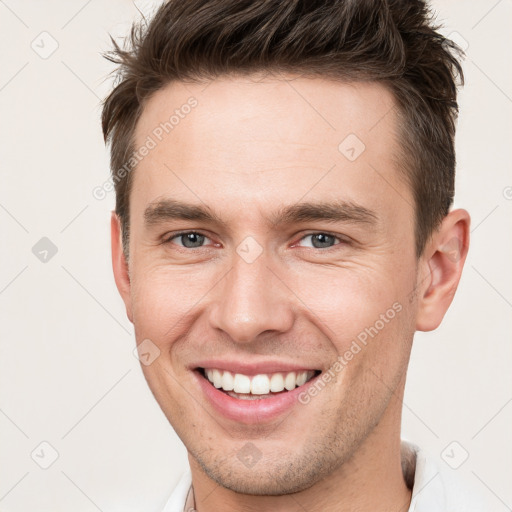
(267, 479)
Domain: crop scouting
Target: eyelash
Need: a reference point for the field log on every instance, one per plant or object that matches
(340, 240)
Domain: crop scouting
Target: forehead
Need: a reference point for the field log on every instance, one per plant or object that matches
(249, 141)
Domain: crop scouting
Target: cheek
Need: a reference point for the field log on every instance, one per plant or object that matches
(163, 298)
(365, 314)
(347, 301)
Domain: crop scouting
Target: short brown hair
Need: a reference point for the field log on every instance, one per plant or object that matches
(393, 42)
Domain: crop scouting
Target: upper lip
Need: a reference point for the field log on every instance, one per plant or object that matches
(252, 368)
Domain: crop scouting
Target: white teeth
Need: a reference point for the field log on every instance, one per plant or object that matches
(277, 382)
(289, 381)
(228, 381)
(302, 377)
(217, 378)
(242, 384)
(261, 384)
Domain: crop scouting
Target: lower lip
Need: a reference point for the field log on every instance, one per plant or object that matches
(251, 411)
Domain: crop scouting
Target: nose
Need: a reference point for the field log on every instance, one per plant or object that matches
(251, 300)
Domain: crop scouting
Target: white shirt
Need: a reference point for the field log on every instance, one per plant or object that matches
(435, 488)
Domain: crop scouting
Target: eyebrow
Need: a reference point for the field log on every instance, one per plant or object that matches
(168, 209)
(332, 211)
(171, 209)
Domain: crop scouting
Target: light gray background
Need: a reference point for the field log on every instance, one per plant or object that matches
(68, 375)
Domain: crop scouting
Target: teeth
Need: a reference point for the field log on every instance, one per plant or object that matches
(289, 381)
(242, 384)
(277, 382)
(217, 378)
(261, 384)
(301, 378)
(228, 381)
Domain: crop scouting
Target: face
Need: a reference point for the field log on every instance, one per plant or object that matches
(272, 252)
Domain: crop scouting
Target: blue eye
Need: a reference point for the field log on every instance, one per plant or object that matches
(189, 239)
(321, 240)
(195, 240)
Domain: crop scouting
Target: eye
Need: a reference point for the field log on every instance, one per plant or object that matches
(320, 240)
(187, 239)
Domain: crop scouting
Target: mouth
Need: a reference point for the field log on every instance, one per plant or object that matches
(256, 387)
(252, 397)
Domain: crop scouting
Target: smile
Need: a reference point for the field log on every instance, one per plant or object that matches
(245, 387)
(253, 395)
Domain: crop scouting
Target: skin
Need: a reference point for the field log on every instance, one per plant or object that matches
(251, 146)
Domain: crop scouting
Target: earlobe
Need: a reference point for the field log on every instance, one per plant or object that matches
(119, 264)
(442, 263)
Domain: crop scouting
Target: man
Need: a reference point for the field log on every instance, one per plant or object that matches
(284, 173)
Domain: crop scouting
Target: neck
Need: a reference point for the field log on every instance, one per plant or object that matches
(372, 480)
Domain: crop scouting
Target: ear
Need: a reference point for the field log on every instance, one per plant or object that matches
(119, 264)
(440, 269)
